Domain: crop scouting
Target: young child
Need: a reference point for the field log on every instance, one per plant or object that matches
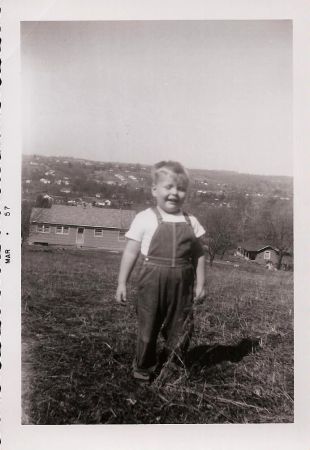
(173, 257)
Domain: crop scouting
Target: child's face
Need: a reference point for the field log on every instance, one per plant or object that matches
(170, 192)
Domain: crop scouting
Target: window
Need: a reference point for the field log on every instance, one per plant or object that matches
(41, 228)
(98, 232)
(60, 229)
(267, 254)
(121, 236)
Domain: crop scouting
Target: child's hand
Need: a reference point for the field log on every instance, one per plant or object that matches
(200, 294)
(121, 294)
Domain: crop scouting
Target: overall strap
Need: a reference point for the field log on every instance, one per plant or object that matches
(187, 219)
(157, 214)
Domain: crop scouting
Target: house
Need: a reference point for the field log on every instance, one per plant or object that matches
(120, 177)
(102, 204)
(79, 226)
(263, 254)
(45, 181)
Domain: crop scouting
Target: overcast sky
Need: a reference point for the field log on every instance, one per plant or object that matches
(212, 94)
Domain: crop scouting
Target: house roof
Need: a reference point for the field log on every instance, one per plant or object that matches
(255, 245)
(83, 216)
(259, 246)
(270, 247)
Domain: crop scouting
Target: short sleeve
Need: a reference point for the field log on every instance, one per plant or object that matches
(197, 227)
(136, 229)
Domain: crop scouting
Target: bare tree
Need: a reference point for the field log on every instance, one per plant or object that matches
(278, 228)
(44, 201)
(220, 232)
(27, 214)
(244, 211)
(25, 219)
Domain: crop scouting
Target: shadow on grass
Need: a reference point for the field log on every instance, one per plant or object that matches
(206, 356)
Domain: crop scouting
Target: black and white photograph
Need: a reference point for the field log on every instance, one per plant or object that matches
(128, 127)
(157, 229)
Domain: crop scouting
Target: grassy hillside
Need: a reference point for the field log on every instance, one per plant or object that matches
(78, 346)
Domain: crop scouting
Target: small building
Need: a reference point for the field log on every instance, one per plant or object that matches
(263, 254)
(102, 204)
(45, 181)
(79, 226)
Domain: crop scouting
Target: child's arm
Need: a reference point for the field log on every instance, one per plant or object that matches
(200, 278)
(129, 259)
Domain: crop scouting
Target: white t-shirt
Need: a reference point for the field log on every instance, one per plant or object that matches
(145, 223)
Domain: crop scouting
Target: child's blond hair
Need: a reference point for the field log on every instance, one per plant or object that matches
(168, 167)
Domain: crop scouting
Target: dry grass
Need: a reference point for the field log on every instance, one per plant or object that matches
(78, 346)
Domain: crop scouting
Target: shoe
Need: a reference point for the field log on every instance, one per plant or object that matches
(141, 376)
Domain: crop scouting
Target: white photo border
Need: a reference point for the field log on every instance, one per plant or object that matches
(37, 437)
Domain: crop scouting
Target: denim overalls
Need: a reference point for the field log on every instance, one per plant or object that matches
(165, 292)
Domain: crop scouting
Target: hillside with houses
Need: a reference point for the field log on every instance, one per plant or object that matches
(105, 184)
(236, 209)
